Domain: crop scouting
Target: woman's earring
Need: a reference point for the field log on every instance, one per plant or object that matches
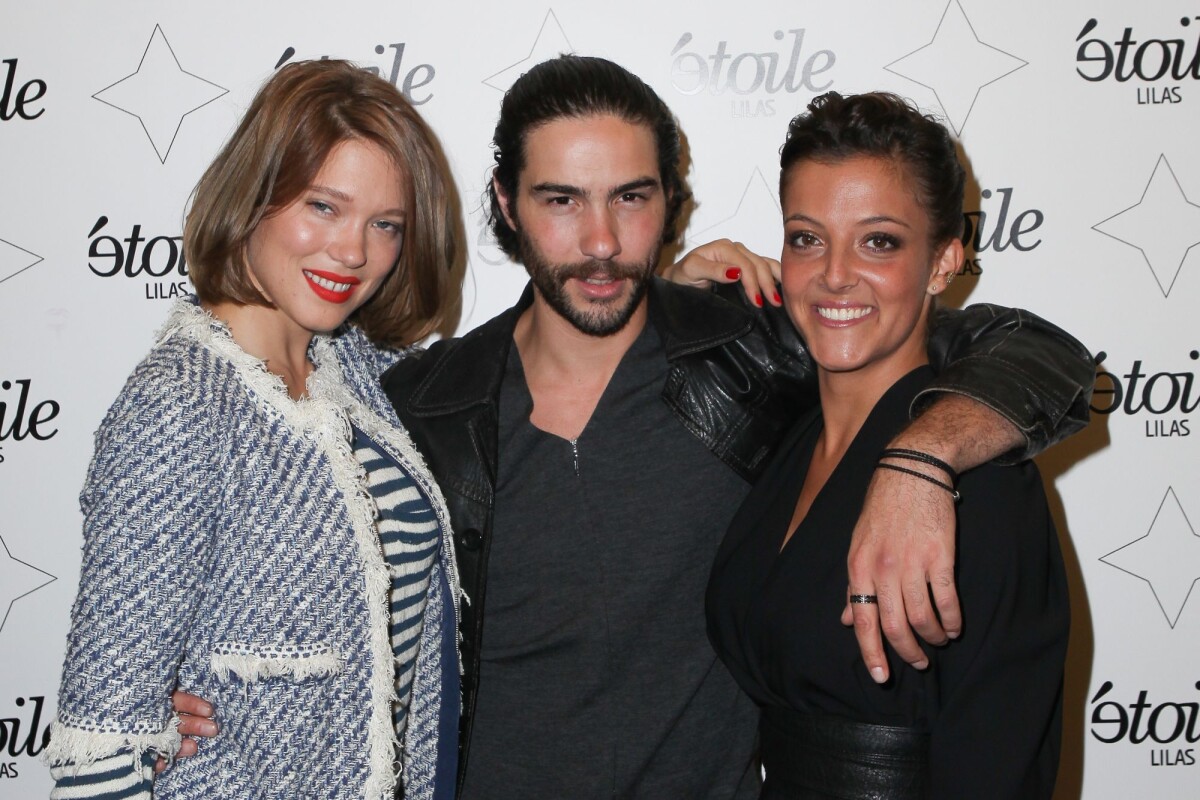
(934, 289)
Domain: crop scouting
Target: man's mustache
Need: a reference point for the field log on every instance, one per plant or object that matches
(604, 270)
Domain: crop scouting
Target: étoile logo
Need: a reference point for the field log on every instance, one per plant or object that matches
(24, 734)
(778, 68)
(996, 226)
(412, 80)
(1150, 722)
(20, 96)
(1150, 60)
(136, 255)
(1163, 396)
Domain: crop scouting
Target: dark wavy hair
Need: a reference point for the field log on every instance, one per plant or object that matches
(883, 125)
(579, 86)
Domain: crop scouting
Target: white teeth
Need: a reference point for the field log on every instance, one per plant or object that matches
(843, 314)
(597, 281)
(325, 283)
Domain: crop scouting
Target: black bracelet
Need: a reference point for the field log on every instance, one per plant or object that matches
(953, 492)
(924, 458)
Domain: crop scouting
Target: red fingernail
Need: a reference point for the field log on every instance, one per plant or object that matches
(733, 273)
(758, 300)
(778, 299)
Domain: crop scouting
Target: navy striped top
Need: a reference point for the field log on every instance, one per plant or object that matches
(409, 535)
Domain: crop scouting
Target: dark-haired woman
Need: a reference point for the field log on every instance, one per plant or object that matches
(247, 475)
(872, 202)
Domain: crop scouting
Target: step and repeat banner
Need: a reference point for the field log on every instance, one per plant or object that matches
(1078, 121)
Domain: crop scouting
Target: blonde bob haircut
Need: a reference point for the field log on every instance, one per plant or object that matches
(305, 110)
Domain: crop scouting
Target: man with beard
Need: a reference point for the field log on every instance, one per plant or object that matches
(594, 440)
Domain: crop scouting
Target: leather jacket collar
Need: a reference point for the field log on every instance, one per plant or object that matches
(688, 320)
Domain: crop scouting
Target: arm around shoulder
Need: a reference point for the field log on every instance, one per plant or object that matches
(1027, 370)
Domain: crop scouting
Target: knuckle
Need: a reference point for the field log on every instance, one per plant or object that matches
(946, 605)
(943, 579)
(919, 617)
(886, 559)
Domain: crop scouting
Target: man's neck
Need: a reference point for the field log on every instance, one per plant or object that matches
(567, 370)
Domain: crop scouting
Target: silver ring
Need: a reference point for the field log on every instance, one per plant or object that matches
(864, 599)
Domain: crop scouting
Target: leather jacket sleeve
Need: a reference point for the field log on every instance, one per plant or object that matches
(1029, 371)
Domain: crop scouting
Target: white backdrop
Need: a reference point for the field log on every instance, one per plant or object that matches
(1079, 121)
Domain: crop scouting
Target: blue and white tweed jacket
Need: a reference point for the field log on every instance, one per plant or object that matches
(230, 545)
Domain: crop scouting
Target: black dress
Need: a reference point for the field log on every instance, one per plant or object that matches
(990, 703)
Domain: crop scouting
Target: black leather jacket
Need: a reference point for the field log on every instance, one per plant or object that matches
(738, 379)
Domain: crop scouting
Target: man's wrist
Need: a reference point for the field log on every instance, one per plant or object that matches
(913, 463)
(960, 431)
(937, 445)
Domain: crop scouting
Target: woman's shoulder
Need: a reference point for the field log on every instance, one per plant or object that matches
(996, 483)
(179, 388)
(355, 349)
(178, 370)
(1003, 518)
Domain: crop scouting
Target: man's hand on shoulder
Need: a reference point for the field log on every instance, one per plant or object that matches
(902, 549)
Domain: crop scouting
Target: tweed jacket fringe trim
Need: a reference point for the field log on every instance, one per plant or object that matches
(251, 663)
(77, 744)
(324, 414)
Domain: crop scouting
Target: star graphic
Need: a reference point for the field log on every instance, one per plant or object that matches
(755, 220)
(160, 93)
(956, 65)
(551, 41)
(18, 579)
(1167, 557)
(1163, 224)
(15, 260)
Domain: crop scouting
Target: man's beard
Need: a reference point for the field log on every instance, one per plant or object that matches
(599, 317)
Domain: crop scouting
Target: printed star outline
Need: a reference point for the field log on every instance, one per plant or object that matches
(160, 93)
(14, 260)
(1163, 224)
(1167, 557)
(13, 586)
(750, 201)
(538, 53)
(977, 64)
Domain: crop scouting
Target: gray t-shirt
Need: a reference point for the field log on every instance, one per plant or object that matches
(597, 679)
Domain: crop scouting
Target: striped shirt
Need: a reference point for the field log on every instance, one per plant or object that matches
(114, 777)
(410, 537)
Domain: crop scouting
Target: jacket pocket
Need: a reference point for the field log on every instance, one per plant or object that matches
(250, 663)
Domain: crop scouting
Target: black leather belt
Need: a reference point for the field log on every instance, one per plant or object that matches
(809, 757)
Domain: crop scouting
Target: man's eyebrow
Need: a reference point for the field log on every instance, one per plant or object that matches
(634, 185)
(575, 191)
(557, 188)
